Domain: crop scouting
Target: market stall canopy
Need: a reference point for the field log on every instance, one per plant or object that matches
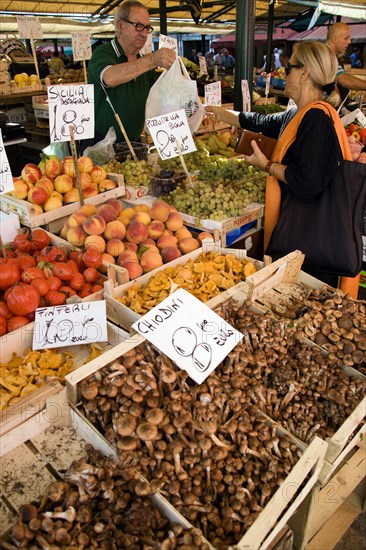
(260, 38)
(358, 33)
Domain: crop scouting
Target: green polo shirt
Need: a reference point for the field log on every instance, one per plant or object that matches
(128, 99)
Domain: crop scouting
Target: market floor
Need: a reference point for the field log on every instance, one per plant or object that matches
(355, 537)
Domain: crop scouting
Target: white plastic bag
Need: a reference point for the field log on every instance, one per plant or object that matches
(103, 151)
(174, 90)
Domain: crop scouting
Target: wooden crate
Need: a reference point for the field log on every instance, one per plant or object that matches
(25, 210)
(125, 317)
(287, 498)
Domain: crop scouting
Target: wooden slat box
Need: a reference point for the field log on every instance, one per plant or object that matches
(33, 460)
(287, 498)
(27, 217)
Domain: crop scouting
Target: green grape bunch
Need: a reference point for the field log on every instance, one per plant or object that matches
(135, 173)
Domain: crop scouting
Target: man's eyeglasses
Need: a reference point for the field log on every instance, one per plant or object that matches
(139, 26)
(289, 67)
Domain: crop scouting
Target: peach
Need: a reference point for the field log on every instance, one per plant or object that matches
(89, 209)
(64, 230)
(31, 173)
(204, 235)
(46, 184)
(174, 222)
(128, 212)
(170, 253)
(76, 236)
(147, 246)
(20, 189)
(150, 260)
(85, 164)
(106, 258)
(134, 269)
(98, 174)
(136, 232)
(95, 225)
(107, 212)
(124, 219)
(142, 217)
(116, 205)
(127, 256)
(188, 245)
(155, 229)
(68, 167)
(63, 183)
(149, 241)
(141, 208)
(106, 185)
(168, 232)
(114, 230)
(172, 208)
(182, 233)
(77, 219)
(130, 246)
(90, 192)
(52, 204)
(160, 210)
(166, 240)
(37, 195)
(95, 241)
(51, 167)
(72, 195)
(115, 247)
(57, 195)
(85, 180)
(36, 209)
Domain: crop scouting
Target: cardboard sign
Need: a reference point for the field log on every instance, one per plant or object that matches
(81, 46)
(169, 130)
(70, 325)
(71, 105)
(29, 27)
(247, 107)
(189, 333)
(168, 42)
(203, 64)
(213, 93)
(6, 179)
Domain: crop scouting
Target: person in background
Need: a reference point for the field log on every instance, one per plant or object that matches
(355, 58)
(118, 71)
(305, 159)
(193, 57)
(284, 59)
(210, 63)
(218, 58)
(338, 40)
(277, 62)
(227, 62)
(55, 64)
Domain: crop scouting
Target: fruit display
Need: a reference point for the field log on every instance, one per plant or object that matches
(268, 109)
(204, 277)
(23, 81)
(357, 140)
(66, 76)
(135, 173)
(52, 183)
(219, 144)
(166, 181)
(37, 273)
(137, 238)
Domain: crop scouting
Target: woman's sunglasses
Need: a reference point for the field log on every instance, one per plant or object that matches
(289, 67)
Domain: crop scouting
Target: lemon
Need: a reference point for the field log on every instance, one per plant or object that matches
(33, 78)
(25, 77)
(18, 78)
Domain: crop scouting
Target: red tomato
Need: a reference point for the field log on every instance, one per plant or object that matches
(362, 132)
(36, 240)
(92, 258)
(77, 256)
(353, 127)
(46, 267)
(63, 271)
(77, 281)
(55, 298)
(55, 253)
(24, 261)
(54, 282)
(3, 326)
(5, 311)
(96, 288)
(90, 275)
(32, 273)
(67, 290)
(74, 266)
(17, 322)
(9, 275)
(42, 285)
(22, 299)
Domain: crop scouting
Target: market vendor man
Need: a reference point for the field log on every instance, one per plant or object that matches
(338, 40)
(118, 70)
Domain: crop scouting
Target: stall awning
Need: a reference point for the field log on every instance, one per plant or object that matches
(260, 38)
(358, 34)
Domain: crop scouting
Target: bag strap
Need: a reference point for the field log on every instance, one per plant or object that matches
(344, 148)
(183, 68)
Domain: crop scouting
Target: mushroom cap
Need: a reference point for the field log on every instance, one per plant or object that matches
(155, 416)
(127, 443)
(147, 431)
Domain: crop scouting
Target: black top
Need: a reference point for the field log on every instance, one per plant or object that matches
(312, 159)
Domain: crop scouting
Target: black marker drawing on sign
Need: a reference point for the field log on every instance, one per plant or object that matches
(54, 136)
(184, 342)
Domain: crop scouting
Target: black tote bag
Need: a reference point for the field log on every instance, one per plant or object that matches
(328, 230)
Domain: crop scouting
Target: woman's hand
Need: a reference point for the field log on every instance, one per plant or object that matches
(257, 159)
(214, 112)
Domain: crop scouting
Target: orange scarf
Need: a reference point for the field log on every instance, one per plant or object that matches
(273, 190)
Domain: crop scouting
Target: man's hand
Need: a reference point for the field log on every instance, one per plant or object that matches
(164, 57)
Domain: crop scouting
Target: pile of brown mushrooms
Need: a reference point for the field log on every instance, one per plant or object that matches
(100, 504)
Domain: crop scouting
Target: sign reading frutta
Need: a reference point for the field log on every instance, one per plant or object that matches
(171, 134)
(29, 27)
(81, 46)
(213, 93)
(189, 333)
(71, 105)
(246, 96)
(168, 42)
(70, 325)
(6, 179)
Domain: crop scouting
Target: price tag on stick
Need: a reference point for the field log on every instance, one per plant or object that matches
(76, 167)
(71, 105)
(268, 82)
(70, 325)
(6, 179)
(166, 130)
(213, 93)
(189, 333)
(246, 96)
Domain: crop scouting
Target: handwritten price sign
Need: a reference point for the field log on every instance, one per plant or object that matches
(203, 65)
(71, 106)
(190, 333)
(246, 96)
(29, 27)
(168, 42)
(213, 93)
(81, 46)
(70, 325)
(6, 179)
(168, 130)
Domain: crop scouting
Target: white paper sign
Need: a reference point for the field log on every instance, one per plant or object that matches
(213, 93)
(246, 96)
(203, 64)
(29, 26)
(148, 46)
(70, 325)
(361, 118)
(81, 46)
(71, 105)
(6, 179)
(291, 104)
(268, 83)
(190, 333)
(168, 42)
(166, 130)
